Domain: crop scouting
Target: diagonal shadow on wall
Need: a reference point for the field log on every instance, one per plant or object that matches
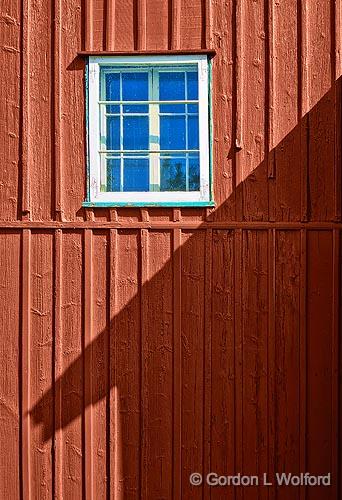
(287, 187)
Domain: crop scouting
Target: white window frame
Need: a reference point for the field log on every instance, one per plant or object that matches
(95, 195)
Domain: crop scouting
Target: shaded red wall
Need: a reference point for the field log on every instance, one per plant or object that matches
(139, 346)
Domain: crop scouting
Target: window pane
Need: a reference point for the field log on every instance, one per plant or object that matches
(194, 173)
(111, 109)
(192, 88)
(172, 174)
(135, 132)
(136, 175)
(172, 132)
(173, 109)
(135, 108)
(171, 88)
(113, 175)
(127, 127)
(193, 140)
(192, 108)
(192, 85)
(135, 86)
(113, 132)
(112, 84)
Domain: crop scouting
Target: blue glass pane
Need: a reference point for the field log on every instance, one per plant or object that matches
(135, 132)
(172, 174)
(113, 175)
(136, 175)
(135, 86)
(192, 108)
(172, 108)
(193, 139)
(112, 86)
(172, 132)
(171, 88)
(113, 132)
(113, 109)
(112, 81)
(194, 173)
(192, 85)
(135, 108)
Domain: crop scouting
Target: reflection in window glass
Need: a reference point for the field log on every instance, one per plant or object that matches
(194, 173)
(172, 174)
(150, 128)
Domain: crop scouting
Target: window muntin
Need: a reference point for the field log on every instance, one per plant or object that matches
(152, 126)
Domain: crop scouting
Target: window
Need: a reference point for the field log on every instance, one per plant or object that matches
(148, 130)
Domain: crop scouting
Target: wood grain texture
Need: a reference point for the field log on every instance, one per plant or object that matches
(287, 356)
(25, 374)
(254, 345)
(275, 112)
(10, 354)
(110, 24)
(252, 165)
(319, 361)
(9, 108)
(224, 353)
(223, 109)
(157, 367)
(40, 366)
(191, 24)
(177, 362)
(243, 385)
(39, 95)
(88, 324)
(126, 343)
(72, 140)
(321, 100)
(157, 24)
(192, 368)
(70, 384)
(24, 162)
(57, 451)
(284, 131)
(99, 366)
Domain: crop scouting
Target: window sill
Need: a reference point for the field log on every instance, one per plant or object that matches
(171, 204)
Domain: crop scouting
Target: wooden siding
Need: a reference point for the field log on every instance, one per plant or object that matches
(276, 102)
(139, 345)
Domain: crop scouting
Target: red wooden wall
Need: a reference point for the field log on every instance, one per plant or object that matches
(138, 346)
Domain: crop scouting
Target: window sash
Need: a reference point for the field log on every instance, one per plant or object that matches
(97, 106)
(154, 115)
